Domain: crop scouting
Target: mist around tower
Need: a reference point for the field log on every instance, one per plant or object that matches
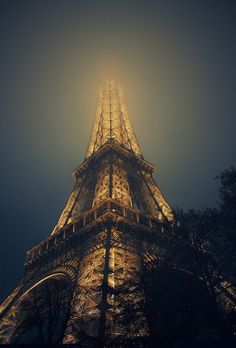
(137, 247)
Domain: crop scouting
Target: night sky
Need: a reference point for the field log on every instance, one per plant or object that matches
(177, 62)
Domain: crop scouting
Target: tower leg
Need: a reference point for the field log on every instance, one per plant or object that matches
(104, 303)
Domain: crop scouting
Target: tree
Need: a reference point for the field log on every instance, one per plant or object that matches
(44, 313)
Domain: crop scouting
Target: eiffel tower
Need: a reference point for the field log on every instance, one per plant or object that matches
(103, 238)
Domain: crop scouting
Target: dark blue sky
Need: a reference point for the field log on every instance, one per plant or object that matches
(178, 67)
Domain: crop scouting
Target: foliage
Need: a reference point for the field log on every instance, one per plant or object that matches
(188, 293)
(44, 312)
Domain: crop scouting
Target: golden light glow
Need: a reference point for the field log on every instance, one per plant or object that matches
(112, 125)
(111, 120)
(114, 184)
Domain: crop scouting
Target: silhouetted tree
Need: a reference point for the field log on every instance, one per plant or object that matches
(44, 313)
(188, 295)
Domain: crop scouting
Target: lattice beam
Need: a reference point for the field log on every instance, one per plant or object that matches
(112, 122)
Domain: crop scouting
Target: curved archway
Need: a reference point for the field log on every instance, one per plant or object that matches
(38, 283)
(41, 313)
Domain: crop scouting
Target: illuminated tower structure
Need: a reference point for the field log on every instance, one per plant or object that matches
(103, 238)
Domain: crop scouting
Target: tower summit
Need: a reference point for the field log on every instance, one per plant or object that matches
(102, 240)
(113, 132)
(111, 122)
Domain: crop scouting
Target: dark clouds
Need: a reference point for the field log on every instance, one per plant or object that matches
(177, 60)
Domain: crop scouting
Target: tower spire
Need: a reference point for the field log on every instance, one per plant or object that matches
(113, 134)
(112, 122)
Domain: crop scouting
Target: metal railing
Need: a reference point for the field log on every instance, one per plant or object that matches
(88, 217)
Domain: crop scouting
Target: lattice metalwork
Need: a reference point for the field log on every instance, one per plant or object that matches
(125, 316)
(118, 280)
(120, 186)
(72, 201)
(102, 186)
(9, 298)
(8, 325)
(112, 121)
(85, 312)
(114, 187)
(109, 175)
(112, 182)
(158, 197)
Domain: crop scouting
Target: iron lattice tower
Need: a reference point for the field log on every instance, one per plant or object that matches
(104, 236)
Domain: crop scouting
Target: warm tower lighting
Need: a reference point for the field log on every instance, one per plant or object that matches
(104, 237)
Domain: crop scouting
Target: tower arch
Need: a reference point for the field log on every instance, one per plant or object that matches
(40, 313)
